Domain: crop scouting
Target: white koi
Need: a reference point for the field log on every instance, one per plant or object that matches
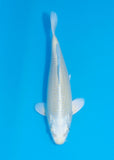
(59, 107)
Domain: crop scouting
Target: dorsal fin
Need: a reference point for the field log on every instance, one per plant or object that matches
(58, 52)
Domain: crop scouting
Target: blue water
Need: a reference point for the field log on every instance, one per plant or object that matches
(85, 31)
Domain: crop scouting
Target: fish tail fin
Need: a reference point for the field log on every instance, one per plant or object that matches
(53, 19)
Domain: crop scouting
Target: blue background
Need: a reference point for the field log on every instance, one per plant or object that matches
(85, 31)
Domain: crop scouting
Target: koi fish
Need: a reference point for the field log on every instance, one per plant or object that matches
(59, 107)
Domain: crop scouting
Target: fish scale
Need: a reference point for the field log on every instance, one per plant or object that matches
(59, 99)
(60, 106)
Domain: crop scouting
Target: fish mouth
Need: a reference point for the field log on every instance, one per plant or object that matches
(59, 140)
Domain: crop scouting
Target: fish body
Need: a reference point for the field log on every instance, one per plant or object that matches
(59, 107)
(59, 99)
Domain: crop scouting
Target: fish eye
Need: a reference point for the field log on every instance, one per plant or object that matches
(67, 130)
(65, 133)
(52, 131)
(54, 134)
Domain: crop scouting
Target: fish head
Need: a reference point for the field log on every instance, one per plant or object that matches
(59, 130)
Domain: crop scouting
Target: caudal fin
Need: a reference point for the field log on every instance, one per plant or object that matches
(53, 19)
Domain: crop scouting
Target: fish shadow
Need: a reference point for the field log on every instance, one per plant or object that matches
(47, 29)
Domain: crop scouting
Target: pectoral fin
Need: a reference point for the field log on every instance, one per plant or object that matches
(77, 104)
(40, 108)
